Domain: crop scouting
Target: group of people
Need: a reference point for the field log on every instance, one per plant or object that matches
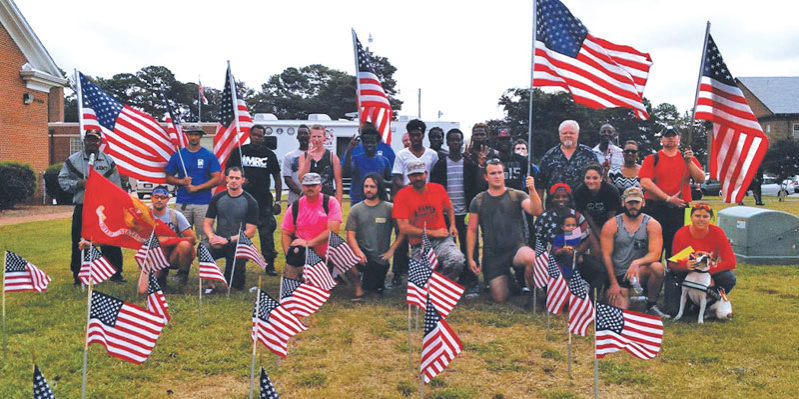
(595, 210)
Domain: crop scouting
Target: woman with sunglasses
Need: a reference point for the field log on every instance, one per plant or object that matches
(702, 237)
(627, 175)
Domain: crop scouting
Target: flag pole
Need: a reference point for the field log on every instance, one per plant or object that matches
(530, 126)
(568, 331)
(421, 385)
(199, 101)
(5, 260)
(255, 341)
(410, 349)
(596, 360)
(233, 267)
(690, 135)
(80, 103)
(357, 81)
(199, 293)
(234, 93)
(86, 341)
(178, 132)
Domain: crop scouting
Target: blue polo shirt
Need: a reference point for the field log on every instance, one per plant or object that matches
(200, 165)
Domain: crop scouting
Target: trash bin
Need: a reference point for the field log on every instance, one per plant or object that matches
(761, 236)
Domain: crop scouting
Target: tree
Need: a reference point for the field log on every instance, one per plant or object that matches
(782, 158)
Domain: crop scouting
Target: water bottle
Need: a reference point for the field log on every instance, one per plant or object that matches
(636, 286)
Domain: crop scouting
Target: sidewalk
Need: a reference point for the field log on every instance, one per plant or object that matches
(34, 213)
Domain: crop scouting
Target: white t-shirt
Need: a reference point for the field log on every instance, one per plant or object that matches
(404, 156)
(291, 167)
(616, 156)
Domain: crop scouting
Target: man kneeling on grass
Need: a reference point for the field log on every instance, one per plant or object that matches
(498, 212)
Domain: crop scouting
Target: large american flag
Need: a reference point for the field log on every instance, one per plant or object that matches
(558, 291)
(340, 252)
(124, 329)
(637, 333)
(151, 250)
(738, 140)
(373, 104)
(231, 108)
(173, 127)
(21, 275)
(439, 345)
(303, 300)
(41, 389)
(208, 268)
(423, 282)
(273, 325)
(267, 389)
(540, 270)
(598, 73)
(316, 272)
(245, 249)
(96, 266)
(581, 309)
(156, 301)
(137, 142)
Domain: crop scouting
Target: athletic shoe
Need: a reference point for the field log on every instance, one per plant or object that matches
(117, 278)
(654, 311)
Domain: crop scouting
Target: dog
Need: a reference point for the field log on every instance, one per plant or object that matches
(692, 288)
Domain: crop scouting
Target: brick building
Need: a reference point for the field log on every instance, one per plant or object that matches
(31, 92)
(775, 103)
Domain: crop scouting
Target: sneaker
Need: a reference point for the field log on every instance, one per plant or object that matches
(270, 270)
(209, 291)
(117, 278)
(472, 291)
(525, 290)
(180, 278)
(654, 311)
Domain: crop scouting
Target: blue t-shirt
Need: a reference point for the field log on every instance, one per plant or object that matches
(382, 149)
(362, 166)
(200, 165)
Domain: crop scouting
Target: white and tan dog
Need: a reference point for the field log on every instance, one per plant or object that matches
(693, 288)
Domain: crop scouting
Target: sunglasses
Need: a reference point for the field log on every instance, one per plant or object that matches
(630, 152)
(703, 206)
(494, 161)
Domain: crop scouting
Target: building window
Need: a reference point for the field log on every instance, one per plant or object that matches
(75, 145)
(796, 131)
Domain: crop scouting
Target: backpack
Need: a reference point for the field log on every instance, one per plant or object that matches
(295, 207)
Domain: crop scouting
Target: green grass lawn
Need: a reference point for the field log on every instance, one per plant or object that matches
(361, 350)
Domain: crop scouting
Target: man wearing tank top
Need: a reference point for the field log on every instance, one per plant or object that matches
(323, 162)
(631, 246)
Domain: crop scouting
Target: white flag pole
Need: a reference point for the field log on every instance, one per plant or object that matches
(596, 360)
(5, 260)
(199, 294)
(199, 101)
(255, 335)
(357, 81)
(235, 95)
(233, 267)
(86, 341)
(80, 103)
(568, 331)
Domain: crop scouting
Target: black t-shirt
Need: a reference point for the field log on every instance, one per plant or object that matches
(259, 164)
(515, 171)
(601, 205)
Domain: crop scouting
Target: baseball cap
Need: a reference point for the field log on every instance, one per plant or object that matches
(92, 132)
(668, 131)
(193, 130)
(415, 167)
(311, 179)
(633, 194)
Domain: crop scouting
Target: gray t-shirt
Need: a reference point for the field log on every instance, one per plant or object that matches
(183, 223)
(500, 218)
(291, 167)
(372, 226)
(232, 213)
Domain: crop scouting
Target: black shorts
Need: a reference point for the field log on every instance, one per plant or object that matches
(498, 263)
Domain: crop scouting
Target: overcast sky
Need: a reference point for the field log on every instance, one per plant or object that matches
(462, 56)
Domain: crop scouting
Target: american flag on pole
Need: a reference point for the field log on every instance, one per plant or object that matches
(540, 275)
(303, 300)
(428, 252)
(273, 325)
(138, 144)
(173, 127)
(202, 91)
(439, 345)
(267, 389)
(341, 254)
(287, 287)
(637, 333)
(597, 73)
(581, 309)
(156, 301)
(21, 275)
(234, 121)
(95, 265)
(245, 249)
(316, 272)
(739, 144)
(208, 268)
(41, 389)
(558, 291)
(124, 329)
(151, 250)
(443, 293)
(373, 104)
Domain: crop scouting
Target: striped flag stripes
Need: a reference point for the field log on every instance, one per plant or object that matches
(95, 265)
(273, 325)
(208, 269)
(21, 275)
(316, 272)
(639, 334)
(156, 301)
(439, 345)
(125, 330)
(245, 249)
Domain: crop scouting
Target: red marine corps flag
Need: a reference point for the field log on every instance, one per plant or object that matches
(113, 217)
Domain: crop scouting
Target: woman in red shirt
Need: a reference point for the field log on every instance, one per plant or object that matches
(702, 236)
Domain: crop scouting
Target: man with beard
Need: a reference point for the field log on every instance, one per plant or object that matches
(463, 180)
(417, 152)
(565, 162)
(479, 151)
(357, 166)
(608, 154)
(631, 245)
(72, 179)
(419, 208)
(261, 167)
(436, 137)
(291, 164)
(497, 212)
(369, 227)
